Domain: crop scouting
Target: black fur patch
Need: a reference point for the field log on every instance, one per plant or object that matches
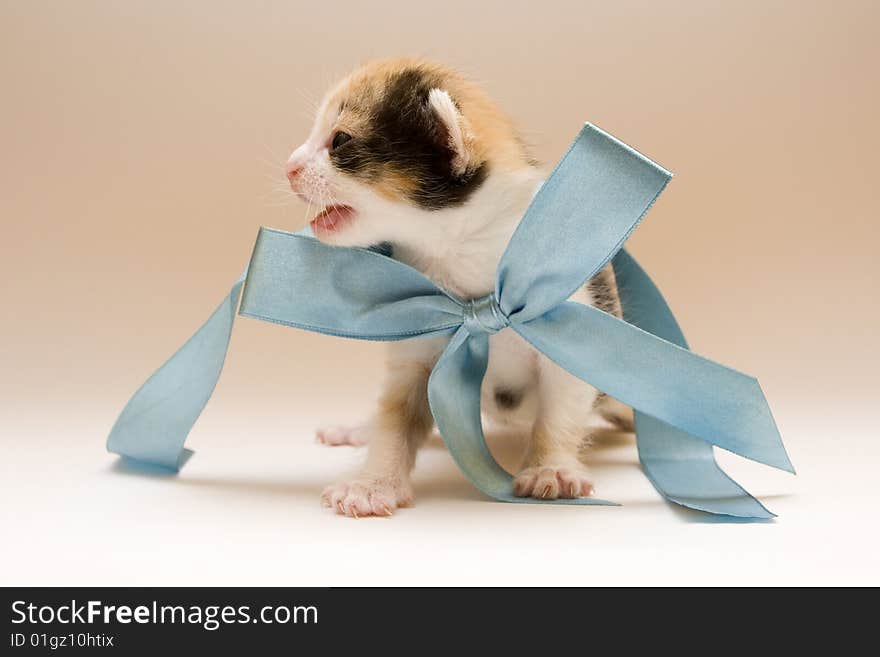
(507, 399)
(384, 248)
(408, 139)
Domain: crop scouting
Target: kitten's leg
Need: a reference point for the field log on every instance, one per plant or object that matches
(565, 417)
(337, 435)
(401, 424)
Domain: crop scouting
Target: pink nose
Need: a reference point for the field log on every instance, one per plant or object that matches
(293, 172)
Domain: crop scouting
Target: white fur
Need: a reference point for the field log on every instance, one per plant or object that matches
(459, 248)
(441, 102)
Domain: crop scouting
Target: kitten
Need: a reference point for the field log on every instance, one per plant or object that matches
(413, 155)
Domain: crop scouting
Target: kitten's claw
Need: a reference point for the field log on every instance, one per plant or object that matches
(362, 498)
(551, 482)
(339, 435)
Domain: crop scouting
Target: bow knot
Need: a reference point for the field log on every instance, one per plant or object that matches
(484, 315)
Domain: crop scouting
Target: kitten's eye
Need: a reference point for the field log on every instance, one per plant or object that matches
(339, 139)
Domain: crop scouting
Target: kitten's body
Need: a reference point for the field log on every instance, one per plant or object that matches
(428, 164)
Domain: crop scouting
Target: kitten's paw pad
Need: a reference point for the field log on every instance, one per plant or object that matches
(550, 483)
(361, 498)
(338, 435)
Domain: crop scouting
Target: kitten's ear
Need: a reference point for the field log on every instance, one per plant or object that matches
(454, 130)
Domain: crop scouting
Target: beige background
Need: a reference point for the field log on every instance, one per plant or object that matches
(141, 149)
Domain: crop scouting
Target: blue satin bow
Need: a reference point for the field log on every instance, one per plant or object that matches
(577, 222)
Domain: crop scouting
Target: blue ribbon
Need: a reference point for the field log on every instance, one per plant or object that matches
(577, 222)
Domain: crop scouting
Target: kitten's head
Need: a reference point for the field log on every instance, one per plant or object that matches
(394, 144)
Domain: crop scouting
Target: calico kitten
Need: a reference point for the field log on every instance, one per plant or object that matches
(413, 155)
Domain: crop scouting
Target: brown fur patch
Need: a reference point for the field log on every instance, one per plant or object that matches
(603, 290)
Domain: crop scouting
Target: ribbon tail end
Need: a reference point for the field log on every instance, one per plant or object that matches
(754, 511)
(736, 507)
(131, 465)
(776, 457)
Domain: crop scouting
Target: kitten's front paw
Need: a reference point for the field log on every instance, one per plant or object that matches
(365, 497)
(338, 435)
(551, 482)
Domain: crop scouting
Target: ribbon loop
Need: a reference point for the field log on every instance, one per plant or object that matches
(484, 315)
(579, 218)
(295, 280)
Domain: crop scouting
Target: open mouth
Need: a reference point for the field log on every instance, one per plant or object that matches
(332, 219)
